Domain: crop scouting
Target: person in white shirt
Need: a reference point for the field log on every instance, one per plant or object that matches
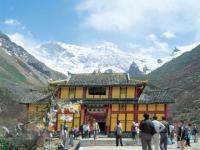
(156, 137)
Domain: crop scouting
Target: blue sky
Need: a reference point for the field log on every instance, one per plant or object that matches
(146, 28)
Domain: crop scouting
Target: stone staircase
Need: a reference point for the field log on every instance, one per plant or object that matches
(103, 141)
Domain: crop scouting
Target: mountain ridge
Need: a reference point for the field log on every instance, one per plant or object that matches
(182, 77)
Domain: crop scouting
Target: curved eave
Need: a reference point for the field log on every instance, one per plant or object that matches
(155, 102)
(82, 85)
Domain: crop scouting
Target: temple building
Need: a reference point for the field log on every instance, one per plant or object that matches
(107, 98)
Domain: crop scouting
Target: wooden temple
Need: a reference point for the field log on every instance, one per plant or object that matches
(106, 98)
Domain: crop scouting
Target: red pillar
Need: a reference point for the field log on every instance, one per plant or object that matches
(82, 114)
(166, 112)
(135, 112)
(110, 92)
(56, 123)
(84, 92)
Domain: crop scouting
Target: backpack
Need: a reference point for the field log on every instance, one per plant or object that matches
(166, 127)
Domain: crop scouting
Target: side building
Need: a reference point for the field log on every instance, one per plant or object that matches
(107, 98)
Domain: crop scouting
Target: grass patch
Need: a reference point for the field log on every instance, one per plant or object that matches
(9, 72)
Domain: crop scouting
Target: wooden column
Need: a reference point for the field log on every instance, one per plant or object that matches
(82, 114)
(166, 112)
(110, 92)
(56, 123)
(84, 92)
(135, 112)
(108, 118)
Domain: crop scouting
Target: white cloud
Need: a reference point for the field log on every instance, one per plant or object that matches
(27, 42)
(129, 16)
(16, 25)
(169, 35)
(152, 37)
(12, 22)
(158, 45)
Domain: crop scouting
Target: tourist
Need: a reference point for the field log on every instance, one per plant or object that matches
(195, 133)
(159, 127)
(181, 135)
(89, 125)
(147, 130)
(134, 131)
(95, 129)
(137, 135)
(171, 133)
(188, 134)
(118, 133)
(85, 130)
(65, 138)
(81, 131)
(75, 132)
(164, 135)
(71, 137)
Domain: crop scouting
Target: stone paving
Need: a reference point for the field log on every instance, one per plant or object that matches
(55, 142)
(194, 146)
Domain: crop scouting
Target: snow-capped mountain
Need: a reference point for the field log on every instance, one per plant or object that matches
(26, 60)
(178, 51)
(76, 59)
(105, 56)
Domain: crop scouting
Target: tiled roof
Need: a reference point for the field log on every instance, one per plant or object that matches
(38, 98)
(101, 79)
(156, 96)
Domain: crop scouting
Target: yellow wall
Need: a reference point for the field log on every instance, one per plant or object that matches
(130, 92)
(64, 93)
(77, 120)
(142, 107)
(140, 117)
(37, 107)
(123, 92)
(113, 122)
(160, 116)
(129, 107)
(160, 107)
(79, 92)
(72, 93)
(129, 121)
(115, 92)
(115, 107)
(151, 107)
(122, 118)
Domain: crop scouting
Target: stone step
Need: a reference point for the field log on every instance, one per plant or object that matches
(106, 142)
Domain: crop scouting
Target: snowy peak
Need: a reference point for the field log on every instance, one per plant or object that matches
(78, 59)
(178, 51)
